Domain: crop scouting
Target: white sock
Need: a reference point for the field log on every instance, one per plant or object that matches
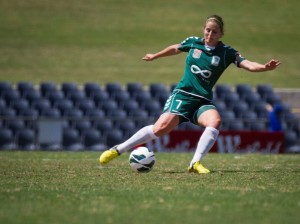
(206, 142)
(140, 137)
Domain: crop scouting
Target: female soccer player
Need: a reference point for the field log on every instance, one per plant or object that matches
(191, 100)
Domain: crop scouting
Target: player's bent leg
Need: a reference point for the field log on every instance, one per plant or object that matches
(108, 155)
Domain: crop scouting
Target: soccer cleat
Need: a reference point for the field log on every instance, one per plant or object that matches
(198, 168)
(108, 155)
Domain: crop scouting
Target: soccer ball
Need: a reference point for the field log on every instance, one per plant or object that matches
(141, 159)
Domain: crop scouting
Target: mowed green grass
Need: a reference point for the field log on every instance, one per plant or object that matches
(104, 40)
(64, 187)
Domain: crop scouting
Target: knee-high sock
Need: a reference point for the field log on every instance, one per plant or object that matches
(206, 142)
(140, 137)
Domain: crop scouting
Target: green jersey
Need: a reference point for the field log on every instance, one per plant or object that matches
(204, 66)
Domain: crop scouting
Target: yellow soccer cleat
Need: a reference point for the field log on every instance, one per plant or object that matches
(108, 155)
(198, 168)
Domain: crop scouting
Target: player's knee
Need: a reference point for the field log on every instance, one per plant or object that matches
(161, 129)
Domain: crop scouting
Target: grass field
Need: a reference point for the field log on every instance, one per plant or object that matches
(61, 187)
(104, 40)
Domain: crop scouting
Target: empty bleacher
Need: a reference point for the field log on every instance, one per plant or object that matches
(95, 116)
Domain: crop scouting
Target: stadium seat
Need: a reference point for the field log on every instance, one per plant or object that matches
(261, 110)
(114, 137)
(236, 125)
(264, 89)
(222, 90)
(63, 105)
(99, 97)
(134, 88)
(157, 88)
(7, 113)
(77, 96)
(23, 87)
(26, 139)
(121, 97)
(68, 87)
(95, 113)
(41, 105)
(258, 126)
(291, 139)
(71, 140)
(172, 87)
(85, 105)
(243, 90)
(15, 125)
(240, 108)
(92, 140)
(272, 98)
(19, 104)
(73, 113)
(6, 139)
(81, 125)
(131, 105)
(252, 99)
(103, 125)
(108, 106)
(220, 105)
(112, 88)
(162, 97)
(118, 114)
(50, 113)
(47, 87)
(143, 97)
(5, 86)
(32, 95)
(55, 96)
(231, 99)
(10, 95)
(91, 88)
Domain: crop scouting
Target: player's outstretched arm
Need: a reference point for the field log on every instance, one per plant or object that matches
(257, 67)
(168, 51)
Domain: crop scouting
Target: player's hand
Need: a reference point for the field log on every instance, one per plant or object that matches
(271, 65)
(148, 57)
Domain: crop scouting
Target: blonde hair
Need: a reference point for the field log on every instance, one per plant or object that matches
(217, 19)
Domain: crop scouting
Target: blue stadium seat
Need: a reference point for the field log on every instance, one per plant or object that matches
(162, 97)
(118, 114)
(10, 95)
(32, 95)
(264, 89)
(71, 140)
(131, 105)
(258, 126)
(157, 88)
(114, 137)
(272, 98)
(82, 125)
(108, 106)
(69, 87)
(6, 139)
(23, 87)
(7, 113)
(41, 105)
(231, 99)
(222, 90)
(95, 113)
(240, 108)
(134, 88)
(29, 113)
(47, 87)
(73, 113)
(103, 125)
(19, 104)
(77, 96)
(261, 110)
(252, 99)
(63, 105)
(243, 90)
(50, 113)
(85, 105)
(5, 86)
(100, 97)
(143, 97)
(236, 125)
(26, 139)
(92, 140)
(112, 88)
(220, 105)
(91, 88)
(121, 97)
(55, 96)
(15, 125)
